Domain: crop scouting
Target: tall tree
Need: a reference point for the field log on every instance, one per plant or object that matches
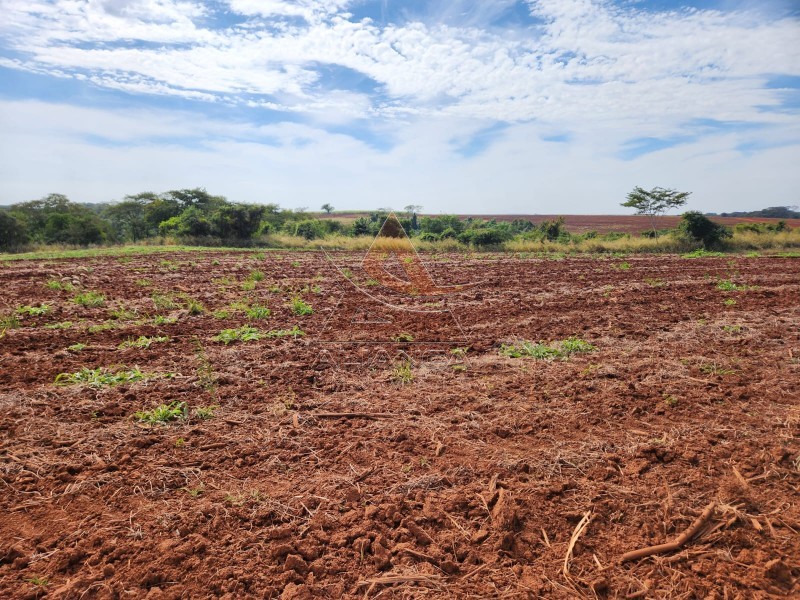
(327, 207)
(655, 202)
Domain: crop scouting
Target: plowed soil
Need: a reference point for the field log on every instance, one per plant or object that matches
(367, 459)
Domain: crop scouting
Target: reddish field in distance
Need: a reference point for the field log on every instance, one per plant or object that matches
(328, 467)
(599, 223)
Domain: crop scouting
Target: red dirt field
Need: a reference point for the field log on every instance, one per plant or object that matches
(347, 464)
(600, 223)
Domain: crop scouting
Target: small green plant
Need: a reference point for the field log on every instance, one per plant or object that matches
(301, 308)
(77, 347)
(248, 286)
(162, 320)
(33, 311)
(144, 283)
(655, 282)
(163, 301)
(622, 266)
(732, 328)
(256, 276)
(38, 581)
(670, 400)
(715, 369)
(371, 283)
(205, 412)
(402, 373)
(123, 314)
(279, 333)
(180, 442)
(222, 314)
(347, 273)
(728, 286)
(143, 342)
(257, 312)
(162, 414)
(729, 302)
(61, 325)
(403, 337)
(193, 306)
(296, 264)
(89, 299)
(459, 368)
(563, 349)
(702, 253)
(55, 284)
(460, 351)
(9, 322)
(243, 334)
(100, 377)
(195, 492)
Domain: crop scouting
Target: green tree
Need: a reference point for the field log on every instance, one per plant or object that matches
(655, 202)
(237, 221)
(12, 232)
(128, 220)
(700, 228)
(327, 208)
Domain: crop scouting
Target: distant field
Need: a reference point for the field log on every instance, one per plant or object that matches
(599, 223)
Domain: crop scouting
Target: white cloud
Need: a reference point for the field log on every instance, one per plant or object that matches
(601, 73)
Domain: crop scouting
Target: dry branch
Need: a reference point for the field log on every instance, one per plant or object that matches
(579, 529)
(676, 544)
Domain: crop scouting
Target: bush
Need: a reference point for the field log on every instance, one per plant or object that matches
(700, 228)
(13, 233)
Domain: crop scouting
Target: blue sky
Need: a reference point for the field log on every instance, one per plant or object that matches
(471, 106)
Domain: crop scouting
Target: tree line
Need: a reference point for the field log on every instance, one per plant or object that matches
(197, 217)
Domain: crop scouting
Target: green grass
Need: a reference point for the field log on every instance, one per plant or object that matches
(162, 320)
(700, 253)
(144, 282)
(61, 325)
(243, 334)
(9, 321)
(123, 314)
(715, 369)
(257, 311)
(402, 373)
(563, 349)
(279, 333)
(100, 377)
(163, 301)
(403, 337)
(55, 284)
(256, 276)
(729, 302)
(77, 347)
(89, 299)
(195, 307)
(143, 342)
(728, 286)
(33, 311)
(205, 412)
(162, 414)
(301, 308)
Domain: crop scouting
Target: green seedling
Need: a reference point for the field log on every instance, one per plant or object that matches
(144, 283)
(243, 334)
(402, 373)
(33, 311)
(162, 320)
(563, 349)
(142, 342)
(256, 276)
(729, 302)
(162, 414)
(728, 286)
(205, 412)
(163, 301)
(301, 308)
(77, 347)
(9, 322)
(62, 325)
(403, 337)
(279, 333)
(89, 299)
(257, 312)
(100, 377)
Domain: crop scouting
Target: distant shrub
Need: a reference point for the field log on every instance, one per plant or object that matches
(700, 228)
